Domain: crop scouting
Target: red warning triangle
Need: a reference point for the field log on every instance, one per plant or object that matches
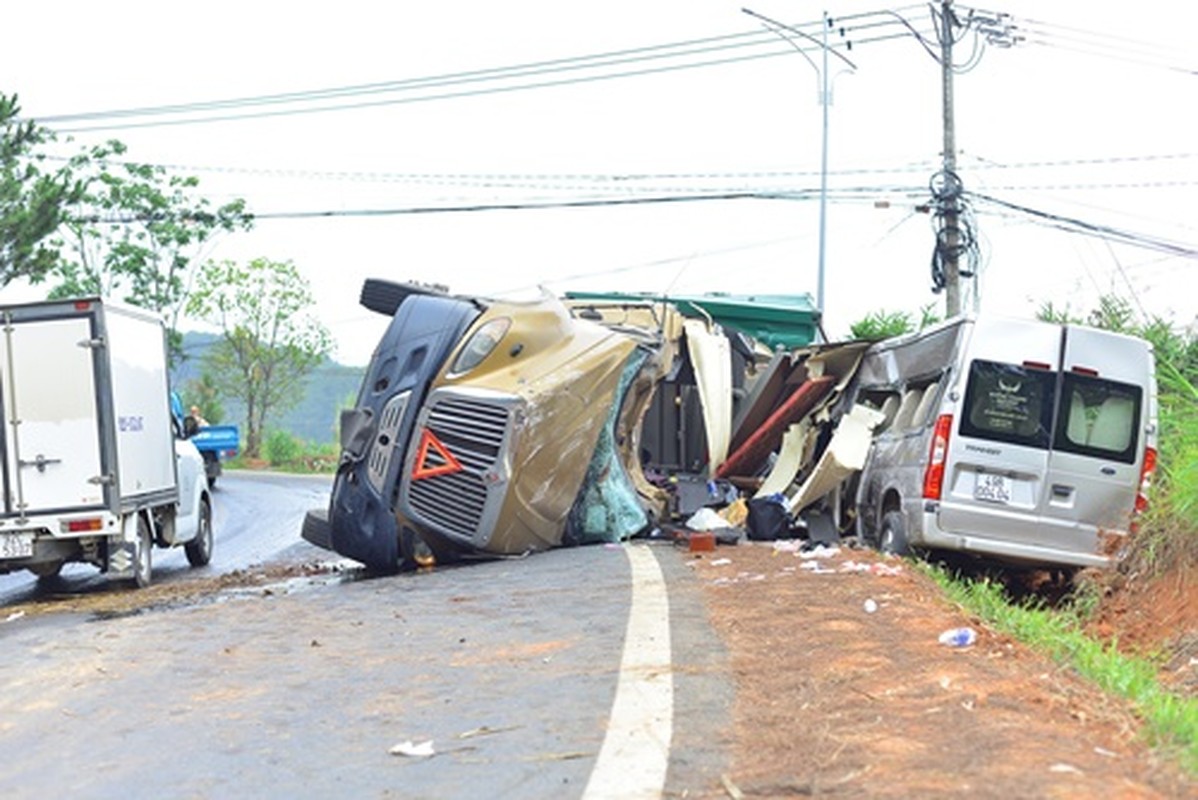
(442, 463)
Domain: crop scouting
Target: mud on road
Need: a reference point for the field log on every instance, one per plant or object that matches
(835, 699)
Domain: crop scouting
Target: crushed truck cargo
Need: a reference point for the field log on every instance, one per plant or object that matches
(498, 428)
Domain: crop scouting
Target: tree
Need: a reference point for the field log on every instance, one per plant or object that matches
(879, 325)
(33, 202)
(202, 392)
(136, 233)
(270, 338)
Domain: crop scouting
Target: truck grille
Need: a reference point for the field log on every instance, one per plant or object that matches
(474, 430)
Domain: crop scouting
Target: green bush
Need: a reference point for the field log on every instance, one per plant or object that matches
(281, 448)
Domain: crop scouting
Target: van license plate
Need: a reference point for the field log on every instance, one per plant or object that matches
(994, 488)
(16, 545)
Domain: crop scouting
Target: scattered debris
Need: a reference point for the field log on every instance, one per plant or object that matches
(486, 730)
(414, 749)
(819, 551)
(1065, 768)
(958, 637)
(14, 616)
(870, 606)
(731, 788)
(874, 568)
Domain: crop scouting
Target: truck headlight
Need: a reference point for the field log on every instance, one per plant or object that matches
(480, 345)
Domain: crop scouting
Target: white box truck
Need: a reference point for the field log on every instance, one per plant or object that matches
(95, 468)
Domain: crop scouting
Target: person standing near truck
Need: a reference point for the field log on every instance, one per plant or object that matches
(199, 418)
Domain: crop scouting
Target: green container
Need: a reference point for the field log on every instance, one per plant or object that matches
(783, 321)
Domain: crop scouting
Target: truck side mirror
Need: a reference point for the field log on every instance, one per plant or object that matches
(190, 427)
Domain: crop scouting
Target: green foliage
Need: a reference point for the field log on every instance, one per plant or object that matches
(270, 339)
(291, 454)
(136, 232)
(281, 448)
(33, 201)
(1171, 722)
(882, 325)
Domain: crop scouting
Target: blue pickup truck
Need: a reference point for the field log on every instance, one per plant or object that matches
(215, 443)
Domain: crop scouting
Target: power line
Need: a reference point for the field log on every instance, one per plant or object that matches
(486, 78)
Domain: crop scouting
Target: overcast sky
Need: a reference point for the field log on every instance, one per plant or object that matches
(1088, 118)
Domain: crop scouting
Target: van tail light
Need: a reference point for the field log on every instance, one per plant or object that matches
(1146, 473)
(933, 476)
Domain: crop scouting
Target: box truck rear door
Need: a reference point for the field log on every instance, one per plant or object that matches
(51, 419)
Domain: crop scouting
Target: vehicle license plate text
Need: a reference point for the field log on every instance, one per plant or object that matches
(992, 488)
(16, 545)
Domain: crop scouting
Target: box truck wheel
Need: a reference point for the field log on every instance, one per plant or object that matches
(893, 537)
(142, 566)
(199, 549)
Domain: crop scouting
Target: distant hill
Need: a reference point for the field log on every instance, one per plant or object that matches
(329, 388)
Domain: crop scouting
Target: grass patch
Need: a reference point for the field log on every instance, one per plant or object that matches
(1170, 722)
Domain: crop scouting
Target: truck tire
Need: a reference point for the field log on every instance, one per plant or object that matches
(384, 297)
(414, 552)
(143, 566)
(199, 549)
(892, 539)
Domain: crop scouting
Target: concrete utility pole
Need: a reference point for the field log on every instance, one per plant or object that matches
(949, 236)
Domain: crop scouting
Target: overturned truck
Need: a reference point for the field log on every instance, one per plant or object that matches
(498, 428)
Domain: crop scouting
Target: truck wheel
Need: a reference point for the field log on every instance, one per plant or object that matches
(414, 552)
(142, 562)
(893, 537)
(47, 570)
(199, 549)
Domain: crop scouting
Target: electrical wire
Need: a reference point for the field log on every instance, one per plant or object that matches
(1105, 232)
(486, 78)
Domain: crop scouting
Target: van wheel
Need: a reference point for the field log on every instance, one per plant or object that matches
(893, 537)
(199, 549)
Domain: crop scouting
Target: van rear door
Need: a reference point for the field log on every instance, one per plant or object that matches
(998, 452)
(1098, 447)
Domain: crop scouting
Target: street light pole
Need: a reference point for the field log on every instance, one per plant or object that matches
(823, 171)
(776, 28)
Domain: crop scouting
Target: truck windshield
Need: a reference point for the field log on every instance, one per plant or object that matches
(1008, 403)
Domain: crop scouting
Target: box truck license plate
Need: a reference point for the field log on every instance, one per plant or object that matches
(994, 488)
(16, 545)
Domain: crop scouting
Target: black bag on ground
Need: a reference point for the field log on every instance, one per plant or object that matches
(768, 519)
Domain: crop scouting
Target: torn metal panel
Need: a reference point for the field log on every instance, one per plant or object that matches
(844, 455)
(797, 444)
(766, 439)
(711, 360)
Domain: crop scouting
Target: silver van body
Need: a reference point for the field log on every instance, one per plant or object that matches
(1015, 440)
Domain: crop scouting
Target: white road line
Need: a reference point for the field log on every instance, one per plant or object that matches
(636, 751)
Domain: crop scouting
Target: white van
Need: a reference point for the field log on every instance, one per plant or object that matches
(1015, 440)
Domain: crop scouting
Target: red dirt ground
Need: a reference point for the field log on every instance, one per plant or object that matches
(833, 699)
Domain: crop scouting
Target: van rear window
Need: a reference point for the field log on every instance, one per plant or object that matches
(1099, 418)
(1008, 403)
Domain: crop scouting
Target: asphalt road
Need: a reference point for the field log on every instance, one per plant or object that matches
(256, 520)
(520, 675)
